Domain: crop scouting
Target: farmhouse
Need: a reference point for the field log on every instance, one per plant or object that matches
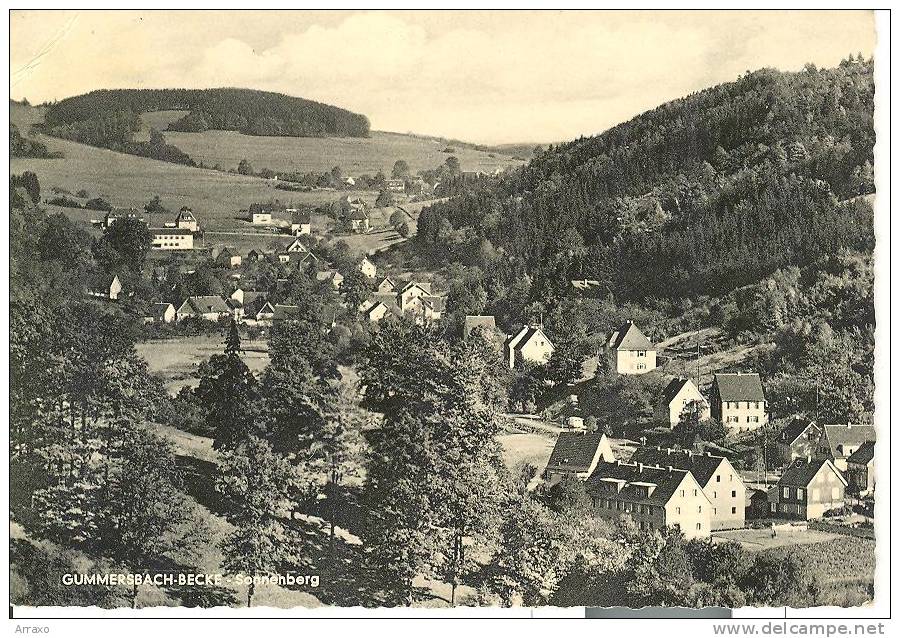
(721, 483)
(485, 323)
(228, 258)
(209, 307)
(841, 441)
(358, 221)
(738, 401)
(367, 268)
(676, 397)
(576, 454)
(386, 285)
(654, 497)
(246, 303)
(629, 351)
(108, 287)
(528, 344)
(861, 469)
(186, 220)
(807, 489)
(301, 222)
(799, 439)
(260, 217)
(375, 311)
(172, 239)
(160, 313)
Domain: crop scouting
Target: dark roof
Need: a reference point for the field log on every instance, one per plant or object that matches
(485, 322)
(301, 217)
(665, 480)
(629, 337)
(864, 455)
(186, 213)
(528, 333)
(702, 466)
(575, 449)
(158, 309)
(203, 304)
(672, 390)
(800, 472)
(358, 214)
(842, 436)
(794, 430)
(739, 387)
(283, 312)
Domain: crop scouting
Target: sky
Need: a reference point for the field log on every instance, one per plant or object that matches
(489, 77)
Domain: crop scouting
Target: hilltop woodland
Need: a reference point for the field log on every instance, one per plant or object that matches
(737, 207)
(740, 207)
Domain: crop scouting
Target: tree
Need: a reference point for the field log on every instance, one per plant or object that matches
(397, 217)
(780, 580)
(130, 239)
(29, 181)
(385, 199)
(259, 484)
(452, 164)
(244, 167)
(227, 392)
(403, 230)
(400, 170)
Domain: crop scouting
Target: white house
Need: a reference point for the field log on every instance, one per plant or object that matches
(366, 267)
(629, 351)
(676, 397)
(209, 307)
(261, 217)
(301, 222)
(297, 246)
(375, 311)
(186, 220)
(172, 239)
(160, 312)
(529, 344)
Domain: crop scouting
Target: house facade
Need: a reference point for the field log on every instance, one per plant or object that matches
(738, 402)
(839, 442)
(678, 394)
(528, 344)
(172, 239)
(186, 220)
(654, 497)
(576, 454)
(721, 483)
(861, 469)
(799, 439)
(629, 351)
(160, 313)
(301, 222)
(367, 268)
(807, 489)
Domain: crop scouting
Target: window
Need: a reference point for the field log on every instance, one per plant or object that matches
(695, 492)
(731, 419)
(641, 366)
(714, 511)
(682, 493)
(718, 478)
(734, 510)
(714, 494)
(649, 509)
(835, 493)
(642, 353)
(773, 508)
(699, 509)
(752, 419)
(698, 526)
(678, 510)
(799, 492)
(786, 493)
(733, 493)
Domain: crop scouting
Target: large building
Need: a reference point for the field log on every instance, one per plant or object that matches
(807, 489)
(528, 344)
(576, 454)
(654, 497)
(629, 351)
(721, 483)
(738, 401)
(676, 397)
(839, 442)
(172, 239)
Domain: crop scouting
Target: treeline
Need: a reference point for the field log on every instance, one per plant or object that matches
(21, 146)
(244, 110)
(697, 197)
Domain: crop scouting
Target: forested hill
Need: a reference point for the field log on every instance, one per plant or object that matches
(696, 197)
(245, 110)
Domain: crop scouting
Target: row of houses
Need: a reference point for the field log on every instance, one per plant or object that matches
(262, 215)
(245, 306)
(395, 298)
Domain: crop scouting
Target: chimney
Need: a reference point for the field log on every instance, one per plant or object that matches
(643, 440)
(689, 453)
(669, 469)
(848, 425)
(640, 468)
(668, 451)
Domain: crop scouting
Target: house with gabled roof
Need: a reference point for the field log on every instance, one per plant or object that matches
(860, 472)
(367, 268)
(530, 343)
(798, 439)
(358, 220)
(839, 442)
(332, 276)
(374, 311)
(160, 312)
(228, 258)
(284, 312)
(296, 246)
(653, 497)
(676, 397)
(737, 400)
(629, 351)
(186, 220)
(105, 286)
(386, 285)
(576, 454)
(208, 307)
(722, 484)
(301, 222)
(807, 489)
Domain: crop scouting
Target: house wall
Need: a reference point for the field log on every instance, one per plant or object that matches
(647, 517)
(169, 315)
(632, 362)
(688, 393)
(740, 415)
(169, 241)
(824, 492)
(261, 218)
(727, 496)
(690, 509)
(537, 350)
(862, 477)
